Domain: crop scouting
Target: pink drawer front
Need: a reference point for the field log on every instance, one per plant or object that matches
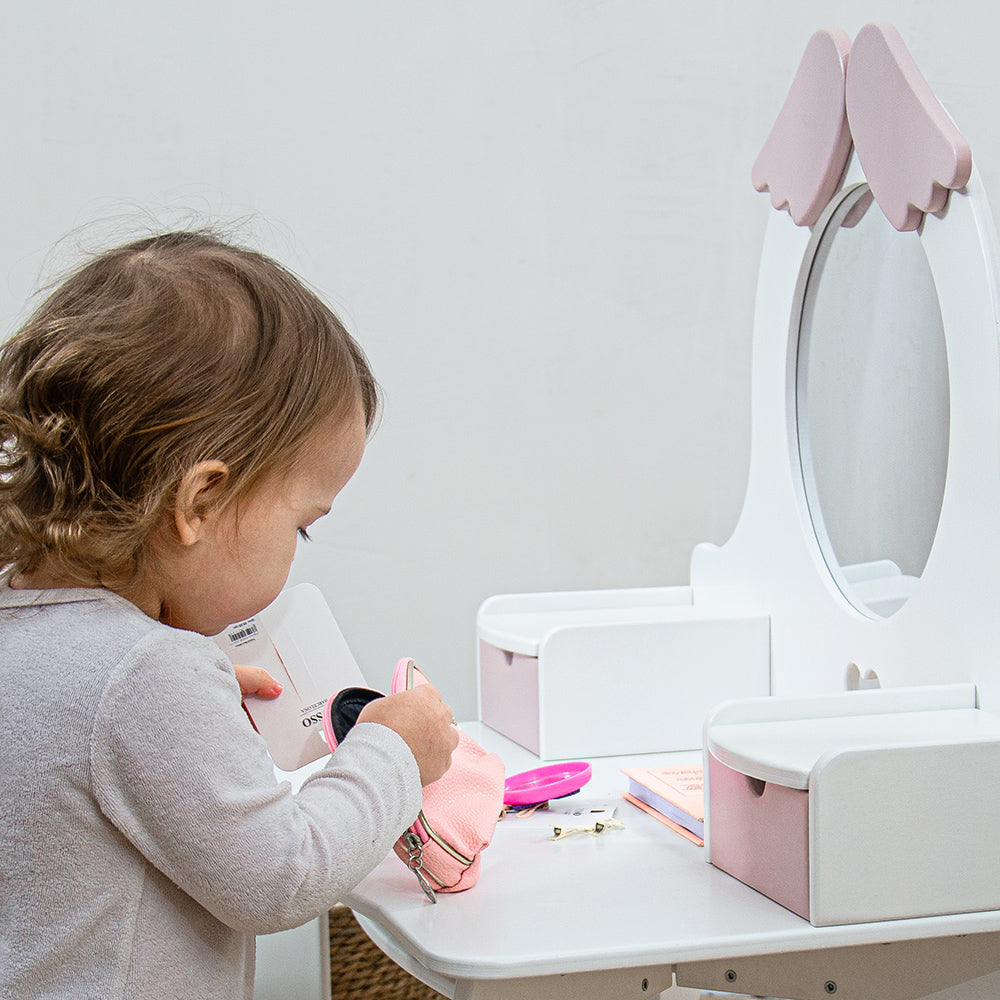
(760, 834)
(508, 687)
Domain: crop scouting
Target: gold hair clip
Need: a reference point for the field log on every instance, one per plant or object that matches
(559, 832)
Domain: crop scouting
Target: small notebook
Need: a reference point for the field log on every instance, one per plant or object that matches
(674, 794)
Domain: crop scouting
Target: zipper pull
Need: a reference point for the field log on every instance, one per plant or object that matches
(415, 851)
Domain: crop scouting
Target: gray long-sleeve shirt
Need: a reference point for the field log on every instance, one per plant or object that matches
(144, 837)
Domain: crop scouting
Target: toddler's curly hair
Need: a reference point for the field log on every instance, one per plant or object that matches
(151, 357)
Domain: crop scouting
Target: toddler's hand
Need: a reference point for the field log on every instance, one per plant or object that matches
(257, 681)
(424, 721)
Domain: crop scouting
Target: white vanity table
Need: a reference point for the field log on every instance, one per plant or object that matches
(860, 327)
(629, 913)
(626, 914)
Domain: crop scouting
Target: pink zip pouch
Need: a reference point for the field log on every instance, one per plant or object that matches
(443, 847)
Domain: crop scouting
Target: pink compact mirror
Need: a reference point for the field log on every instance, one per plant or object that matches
(552, 781)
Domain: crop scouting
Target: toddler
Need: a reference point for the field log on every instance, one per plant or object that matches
(172, 417)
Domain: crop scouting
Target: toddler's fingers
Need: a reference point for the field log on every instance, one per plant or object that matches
(256, 681)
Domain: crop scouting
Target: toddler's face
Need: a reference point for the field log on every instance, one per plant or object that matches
(242, 561)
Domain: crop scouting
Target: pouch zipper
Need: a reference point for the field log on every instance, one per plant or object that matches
(440, 841)
(415, 850)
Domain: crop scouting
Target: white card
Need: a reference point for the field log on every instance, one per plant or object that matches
(573, 810)
(298, 642)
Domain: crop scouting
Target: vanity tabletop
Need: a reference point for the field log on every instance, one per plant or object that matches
(636, 897)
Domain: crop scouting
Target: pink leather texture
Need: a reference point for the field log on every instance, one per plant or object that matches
(460, 810)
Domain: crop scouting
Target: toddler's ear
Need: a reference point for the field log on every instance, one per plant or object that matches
(196, 494)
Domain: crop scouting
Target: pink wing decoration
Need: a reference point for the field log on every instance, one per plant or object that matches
(910, 150)
(804, 158)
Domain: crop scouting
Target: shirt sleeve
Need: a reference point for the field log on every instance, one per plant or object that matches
(178, 769)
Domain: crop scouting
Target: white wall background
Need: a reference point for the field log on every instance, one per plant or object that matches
(535, 215)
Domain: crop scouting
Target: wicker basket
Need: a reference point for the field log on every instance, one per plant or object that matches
(360, 971)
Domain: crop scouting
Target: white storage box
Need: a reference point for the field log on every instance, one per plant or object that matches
(869, 805)
(600, 673)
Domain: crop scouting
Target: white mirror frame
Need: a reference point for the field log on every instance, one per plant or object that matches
(949, 630)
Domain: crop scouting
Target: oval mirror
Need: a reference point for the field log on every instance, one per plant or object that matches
(872, 402)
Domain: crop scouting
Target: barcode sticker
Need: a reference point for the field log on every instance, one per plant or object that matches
(242, 632)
